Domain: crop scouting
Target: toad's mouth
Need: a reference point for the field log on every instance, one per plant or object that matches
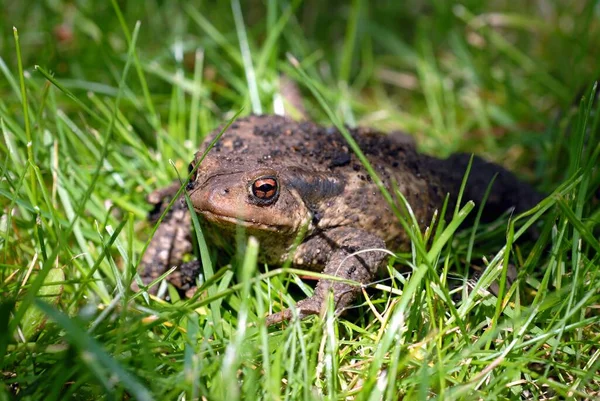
(225, 221)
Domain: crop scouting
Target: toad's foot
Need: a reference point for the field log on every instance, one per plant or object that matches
(350, 254)
(304, 308)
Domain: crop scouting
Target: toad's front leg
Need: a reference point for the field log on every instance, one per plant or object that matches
(172, 239)
(347, 253)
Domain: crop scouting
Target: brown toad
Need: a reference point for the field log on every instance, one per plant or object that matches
(276, 177)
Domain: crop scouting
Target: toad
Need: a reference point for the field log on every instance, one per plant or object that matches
(278, 179)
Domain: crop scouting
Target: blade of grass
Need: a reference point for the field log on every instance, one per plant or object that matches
(100, 363)
(37, 283)
(30, 143)
(154, 118)
(350, 40)
(193, 132)
(246, 57)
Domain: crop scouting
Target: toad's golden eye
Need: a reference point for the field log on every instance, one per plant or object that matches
(265, 189)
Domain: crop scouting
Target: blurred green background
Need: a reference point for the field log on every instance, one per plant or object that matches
(460, 74)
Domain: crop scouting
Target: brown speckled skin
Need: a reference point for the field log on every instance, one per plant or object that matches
(324, 188)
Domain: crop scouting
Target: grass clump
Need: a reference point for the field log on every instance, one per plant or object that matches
(117, 108)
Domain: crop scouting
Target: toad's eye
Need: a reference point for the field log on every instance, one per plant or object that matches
(190, 169)
(192, 180)
(265, 190)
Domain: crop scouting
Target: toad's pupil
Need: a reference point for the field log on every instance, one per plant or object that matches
(266, 187)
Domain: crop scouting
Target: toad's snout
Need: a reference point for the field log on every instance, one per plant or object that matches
(214, 199)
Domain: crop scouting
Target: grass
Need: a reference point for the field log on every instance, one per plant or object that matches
(117, 108)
